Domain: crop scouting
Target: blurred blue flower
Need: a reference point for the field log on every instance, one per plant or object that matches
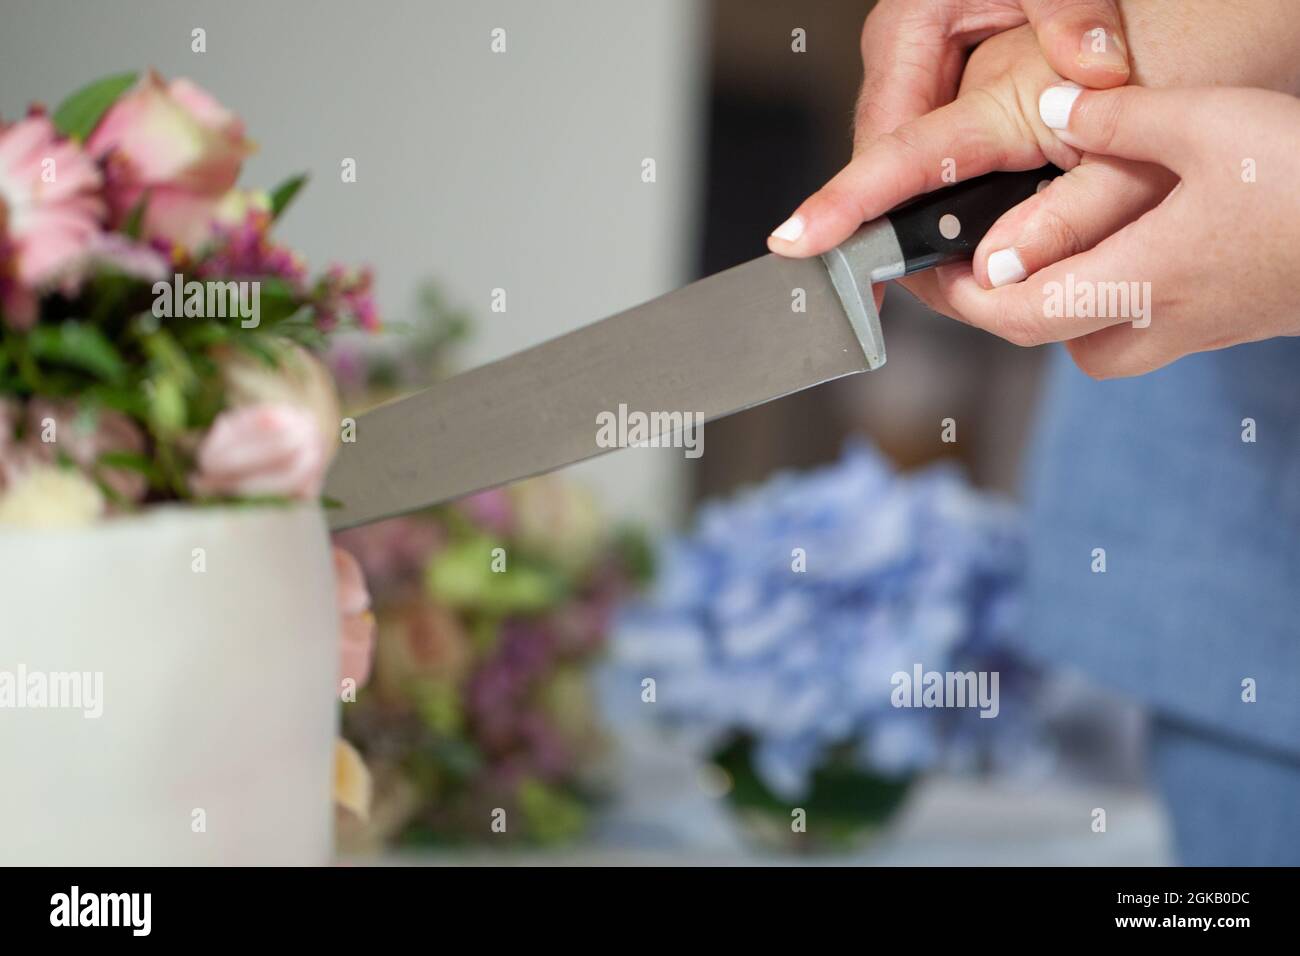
(784, 616)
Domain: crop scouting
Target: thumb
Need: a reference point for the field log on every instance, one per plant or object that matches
(1083, 40)
(1132, 122)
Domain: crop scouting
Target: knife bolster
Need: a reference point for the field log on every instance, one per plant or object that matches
(870, 255)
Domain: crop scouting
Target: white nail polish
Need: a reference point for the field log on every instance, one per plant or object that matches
(790, 230)
(1056, 102)
(1005, 268)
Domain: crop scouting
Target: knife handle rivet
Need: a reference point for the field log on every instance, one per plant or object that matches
(949, 226)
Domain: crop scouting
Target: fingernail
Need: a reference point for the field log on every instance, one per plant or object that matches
(790, 230)
(1103, 49)
(1005, 267)
(1056, 102)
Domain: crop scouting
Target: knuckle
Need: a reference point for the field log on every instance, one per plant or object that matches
(1012, 321)
(1006, 123)
(1056, 235)
(904, 141)
(1101, 116)
(906, 146)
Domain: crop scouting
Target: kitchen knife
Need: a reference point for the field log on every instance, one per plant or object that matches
(719, 345)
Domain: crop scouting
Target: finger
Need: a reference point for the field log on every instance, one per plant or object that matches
(1070, 216)
(1076, 296)
(1083, 40)
(910, 67)
(970, 136)
(924, 286)
(1152, 126)
(1122, 350)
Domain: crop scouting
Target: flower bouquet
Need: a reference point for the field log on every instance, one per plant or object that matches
(804, 633)
(164, 433)
(478, 723)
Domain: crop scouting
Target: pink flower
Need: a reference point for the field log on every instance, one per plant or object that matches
(298, 378)
(346, 295)
(245, 248)
(61, 428)
(50, 213)
(176, 142)
(358, 624)
(266, 449)
(394, 553)
(491, 510)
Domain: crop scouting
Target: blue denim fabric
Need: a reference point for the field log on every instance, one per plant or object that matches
(1230, 803)
(1201, 533)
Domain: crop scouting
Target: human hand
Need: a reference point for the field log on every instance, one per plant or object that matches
(914, 51)
(994, 124)
(1211, 266)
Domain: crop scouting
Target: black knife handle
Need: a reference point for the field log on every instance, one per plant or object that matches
(947, 224)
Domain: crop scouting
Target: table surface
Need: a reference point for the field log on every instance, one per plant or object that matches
(954, 821)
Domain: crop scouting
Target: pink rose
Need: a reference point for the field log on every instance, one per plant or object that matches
(50, 213)
(176, 142)
(266, 449)
(298, 378)
(358, 624)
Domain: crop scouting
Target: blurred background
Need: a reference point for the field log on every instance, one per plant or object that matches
(521, 170)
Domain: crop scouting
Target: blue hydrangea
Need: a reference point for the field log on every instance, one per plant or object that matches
(896, 570)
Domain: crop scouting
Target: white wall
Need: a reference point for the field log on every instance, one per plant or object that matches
(519, 171)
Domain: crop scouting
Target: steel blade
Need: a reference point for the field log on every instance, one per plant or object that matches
(717, 346)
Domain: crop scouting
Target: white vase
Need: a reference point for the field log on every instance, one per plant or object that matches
(215, 635)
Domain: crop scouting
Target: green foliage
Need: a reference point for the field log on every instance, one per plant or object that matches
(78, 115)
(636, 553)
(98, 341)
(135, 218)
(843, 801)
(437, 700)
(80, 346)
(552, 815)
(283, 194)
(461, 576)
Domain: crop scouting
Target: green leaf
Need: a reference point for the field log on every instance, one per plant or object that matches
(127, 399)
(284, 194)
(80, 113)
(170, 359)
(130, 461)
(135, 218)
(843, 797)
(167, 408)
(462, 576)
(81, 346)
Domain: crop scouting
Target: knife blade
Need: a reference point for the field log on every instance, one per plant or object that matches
(745, 336)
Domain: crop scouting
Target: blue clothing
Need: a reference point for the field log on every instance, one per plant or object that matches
(1230, 803)
(1201, 533)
